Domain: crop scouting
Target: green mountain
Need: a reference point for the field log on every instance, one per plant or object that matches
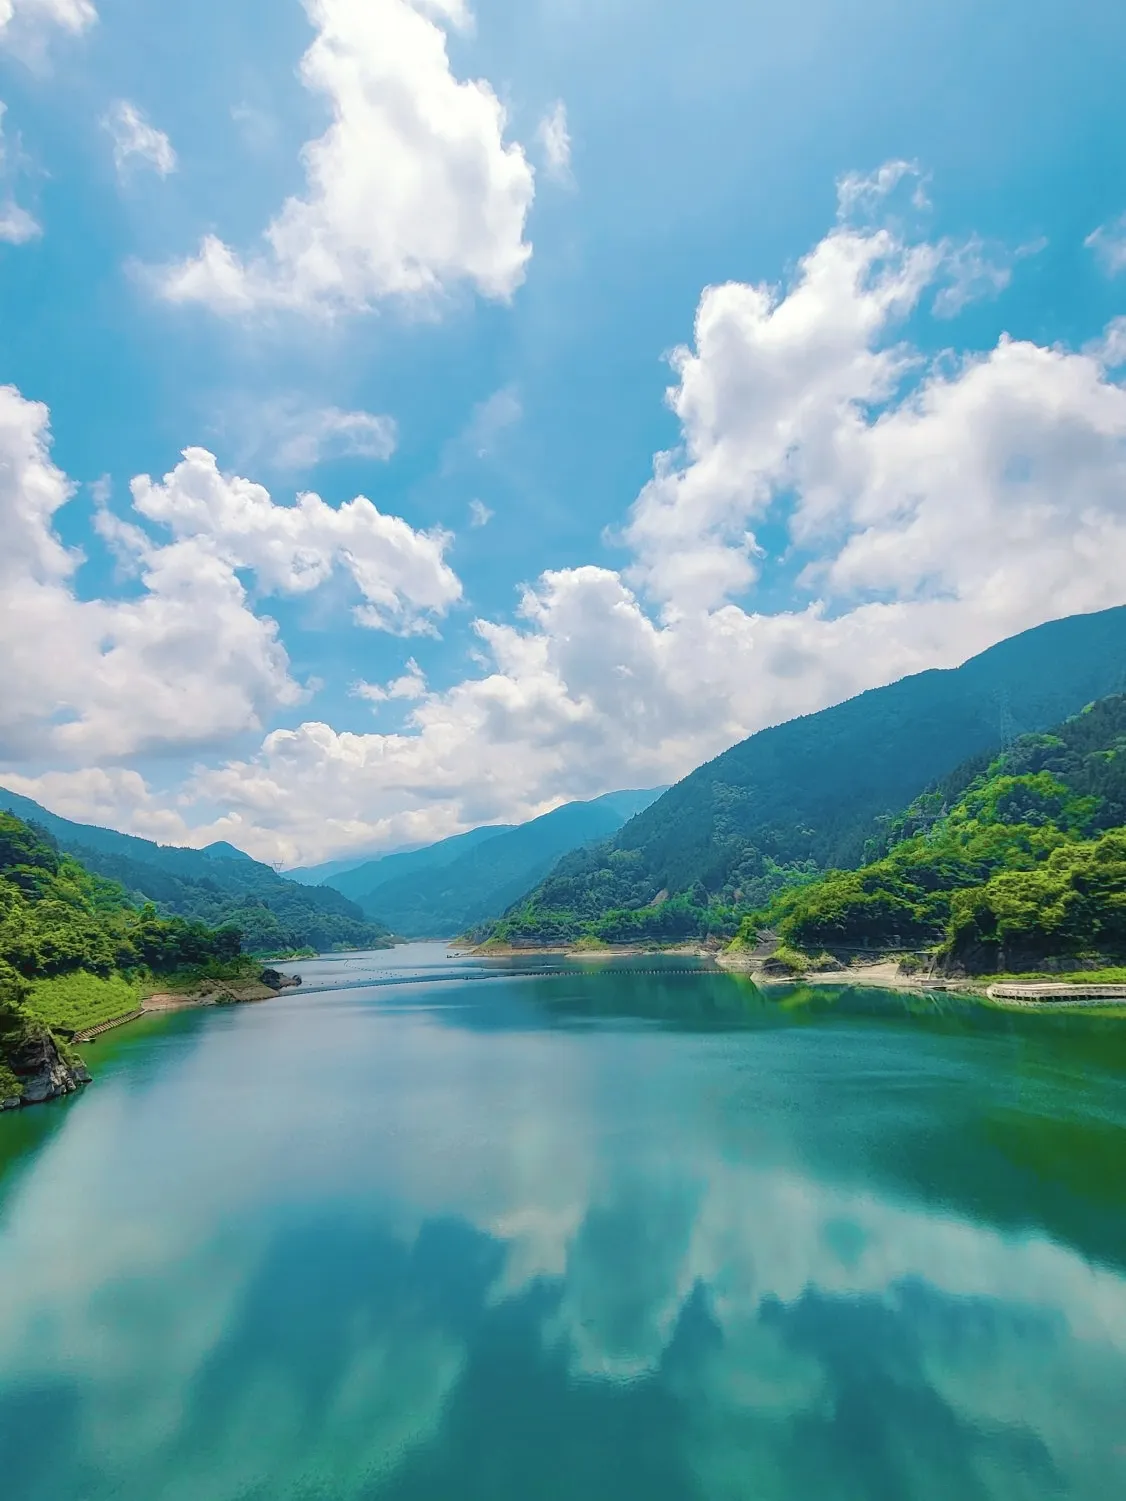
(1006, 868)
(358, 881)
(71, 947)
(461, 882)
(812, 794)
(218, 886)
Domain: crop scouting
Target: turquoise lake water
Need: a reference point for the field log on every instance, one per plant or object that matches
(430, 1231)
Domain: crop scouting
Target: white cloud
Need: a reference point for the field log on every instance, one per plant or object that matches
(411, 191)
(554, 138)
(136, 139)
(1110, 348)
(930, 508)
(112, 797)
(411, 685)
(24, 22)
(862, 195)
(17, 226)
(1109, 244)
(186, 660)
(289, 436)
(934, 509)
(974, 275)
(479, 513)
(401, 574)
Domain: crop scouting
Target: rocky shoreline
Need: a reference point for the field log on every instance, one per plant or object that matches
(44, 1071)
(47, 1070)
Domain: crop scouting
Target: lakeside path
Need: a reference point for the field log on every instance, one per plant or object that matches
(885, 974)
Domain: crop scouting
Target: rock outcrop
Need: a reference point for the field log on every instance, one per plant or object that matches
(275, 980)
(42, 1070)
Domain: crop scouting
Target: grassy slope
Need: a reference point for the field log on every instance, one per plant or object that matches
(75, 951)
(74, 1002)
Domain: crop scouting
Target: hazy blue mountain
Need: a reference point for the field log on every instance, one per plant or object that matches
(442, 890)
(815, 789)
(359, 880)
(328, 870)
(317, 875)
(217, 885)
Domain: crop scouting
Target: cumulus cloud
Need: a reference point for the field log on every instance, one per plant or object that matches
(136, 139)
(185, 660)
(931, 509)
(411, 685)
(554, 138)
(928, 508)
(1109, 244)
(401, 574)
(411, 191)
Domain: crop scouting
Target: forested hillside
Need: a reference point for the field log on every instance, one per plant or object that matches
(811, 794)
(59, 922)
(219, 886)
(1005, 868)
(441, 891)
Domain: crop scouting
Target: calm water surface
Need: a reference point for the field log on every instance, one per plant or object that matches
(428, 1231)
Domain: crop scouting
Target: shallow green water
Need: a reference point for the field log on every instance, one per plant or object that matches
(600, 1236)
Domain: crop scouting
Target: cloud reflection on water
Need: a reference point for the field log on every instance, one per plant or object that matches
(219, 1280)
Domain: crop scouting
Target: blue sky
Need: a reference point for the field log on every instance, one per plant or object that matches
(906, 444)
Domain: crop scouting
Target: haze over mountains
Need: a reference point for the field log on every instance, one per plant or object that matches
(812, 791)
(800, 797)
(219, 885)
(457, 883)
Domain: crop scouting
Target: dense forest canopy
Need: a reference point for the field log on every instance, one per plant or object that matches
(815, 793)
(58, 919)
(1004, 868)
(218, 887)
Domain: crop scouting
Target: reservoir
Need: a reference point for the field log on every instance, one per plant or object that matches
(436, 1229)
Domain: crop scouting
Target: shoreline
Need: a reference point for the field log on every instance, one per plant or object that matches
(881, 974)
(885, 974)
(568, 951)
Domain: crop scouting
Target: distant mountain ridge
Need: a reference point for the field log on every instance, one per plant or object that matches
(812, 791)
(219, 885)
(459, 882)
(359, 880)
(327, 870)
